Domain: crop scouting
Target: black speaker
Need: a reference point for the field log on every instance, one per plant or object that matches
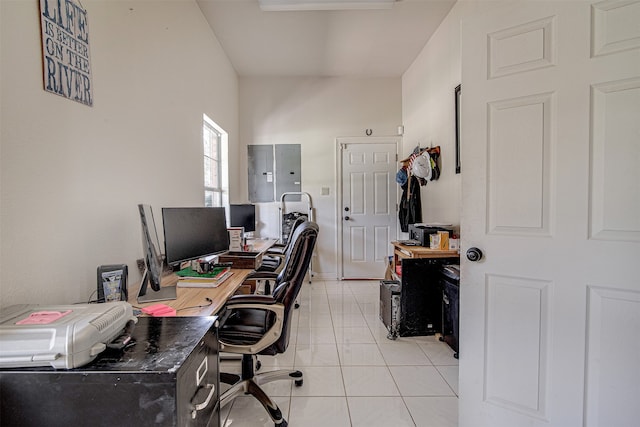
(112, 283)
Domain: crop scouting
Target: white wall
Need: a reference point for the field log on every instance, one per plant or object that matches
(72, 175)
(313, 112)
(428, 112)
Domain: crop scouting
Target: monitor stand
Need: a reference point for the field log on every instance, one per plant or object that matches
(149, 295)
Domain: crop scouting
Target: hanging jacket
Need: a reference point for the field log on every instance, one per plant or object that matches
(410, 211)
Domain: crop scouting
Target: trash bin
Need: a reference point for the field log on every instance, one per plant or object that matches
(450, 280)
(390, 292)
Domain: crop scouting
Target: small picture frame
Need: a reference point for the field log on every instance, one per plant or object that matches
(112, 283)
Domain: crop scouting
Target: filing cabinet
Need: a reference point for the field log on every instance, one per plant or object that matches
(166, 376)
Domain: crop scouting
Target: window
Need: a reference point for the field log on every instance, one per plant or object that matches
(215, 143)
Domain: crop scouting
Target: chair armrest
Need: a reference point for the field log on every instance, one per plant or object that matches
(270, 336)
(262, 275)
(241, 301)
(249, 299)
(280, 250)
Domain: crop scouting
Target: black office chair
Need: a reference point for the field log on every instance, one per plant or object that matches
(260, 324)
(274, 256)
(281, 248)
(273, 259)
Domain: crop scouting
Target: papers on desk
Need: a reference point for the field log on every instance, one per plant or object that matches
(190, 279)
(159, 310)
(43, 317)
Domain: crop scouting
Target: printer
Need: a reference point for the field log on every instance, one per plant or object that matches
(421, 232)
(62, 336)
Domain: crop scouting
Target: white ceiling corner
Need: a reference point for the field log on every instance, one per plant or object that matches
(356, 43)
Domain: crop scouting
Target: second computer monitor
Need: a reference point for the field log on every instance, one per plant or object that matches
(243, 215)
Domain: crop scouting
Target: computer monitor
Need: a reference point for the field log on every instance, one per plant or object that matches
(243, 215)
(152, 260)
(193, 233)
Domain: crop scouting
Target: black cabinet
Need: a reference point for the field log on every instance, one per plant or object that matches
(414, 307)
(167, 376)
(420, 300)
(451, 306)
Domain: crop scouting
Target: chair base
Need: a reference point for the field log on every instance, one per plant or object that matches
(248, 383)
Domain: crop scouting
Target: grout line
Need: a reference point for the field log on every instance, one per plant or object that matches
(348, 291)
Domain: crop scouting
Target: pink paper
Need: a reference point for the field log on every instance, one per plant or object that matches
(43, 317)
(159, 310)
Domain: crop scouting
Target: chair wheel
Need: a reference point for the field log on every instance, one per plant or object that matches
(298, 383)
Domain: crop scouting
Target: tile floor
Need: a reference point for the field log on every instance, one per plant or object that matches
(353, 375)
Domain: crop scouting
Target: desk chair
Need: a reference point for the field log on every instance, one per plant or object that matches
(260, 324)
(273, 261)
(274, 256)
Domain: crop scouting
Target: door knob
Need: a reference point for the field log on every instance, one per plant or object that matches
(474, 254)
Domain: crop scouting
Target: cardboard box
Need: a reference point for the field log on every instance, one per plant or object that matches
(388, 273)
(444, 240)
(434, 241)
(454, 244)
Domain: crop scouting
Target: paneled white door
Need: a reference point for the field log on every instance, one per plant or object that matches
(368, 207)
(550, 316)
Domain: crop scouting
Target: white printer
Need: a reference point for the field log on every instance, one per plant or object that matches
(62, 336)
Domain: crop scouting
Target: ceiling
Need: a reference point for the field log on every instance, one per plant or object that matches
(355, 43)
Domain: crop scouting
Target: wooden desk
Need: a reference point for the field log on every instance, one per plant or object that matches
(260, 245)
(195, 297)
(189, 300)
(401, 251)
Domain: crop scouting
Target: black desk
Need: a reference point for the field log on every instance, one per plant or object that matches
(421, 294)
(163, 379)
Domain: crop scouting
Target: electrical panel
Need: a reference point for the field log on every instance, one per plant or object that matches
(273, 170)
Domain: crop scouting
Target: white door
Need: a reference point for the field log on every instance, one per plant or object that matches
(368, 205)
(550, 316)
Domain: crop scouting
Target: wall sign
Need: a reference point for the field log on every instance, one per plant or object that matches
(65, 50)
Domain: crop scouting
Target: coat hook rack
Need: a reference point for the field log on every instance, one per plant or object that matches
(430, 150)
